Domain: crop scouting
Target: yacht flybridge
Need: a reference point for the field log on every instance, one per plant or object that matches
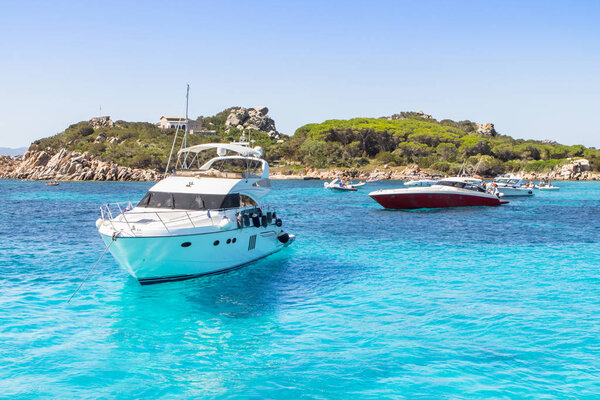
(203, 219)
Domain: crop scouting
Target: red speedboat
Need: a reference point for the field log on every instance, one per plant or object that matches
(449, 192)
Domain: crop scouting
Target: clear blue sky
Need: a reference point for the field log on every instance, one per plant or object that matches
(530, 67)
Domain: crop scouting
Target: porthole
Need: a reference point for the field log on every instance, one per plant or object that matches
(234, 240)
(186, 244)
(216, 243)
(228, 241)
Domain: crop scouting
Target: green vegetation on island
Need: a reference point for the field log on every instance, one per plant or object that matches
(440, 146)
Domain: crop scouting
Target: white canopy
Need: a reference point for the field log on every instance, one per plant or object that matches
(242, 150)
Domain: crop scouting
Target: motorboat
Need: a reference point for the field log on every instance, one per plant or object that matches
(448, 192)
(202, 219)
(511, 186)
(338, 185)
(420, 182)
(52, 183)
(548, 186)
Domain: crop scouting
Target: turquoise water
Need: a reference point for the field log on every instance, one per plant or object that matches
(499, 302)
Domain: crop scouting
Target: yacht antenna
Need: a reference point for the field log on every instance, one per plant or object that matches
(172, 148)
(477, 166)
(187, 123)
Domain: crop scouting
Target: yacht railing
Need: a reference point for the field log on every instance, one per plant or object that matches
(121, 214)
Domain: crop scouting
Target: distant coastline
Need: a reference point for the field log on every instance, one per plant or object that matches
(401, 146)
(73, 166)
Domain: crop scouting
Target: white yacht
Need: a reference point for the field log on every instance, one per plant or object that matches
(203, 219)
(512, 186)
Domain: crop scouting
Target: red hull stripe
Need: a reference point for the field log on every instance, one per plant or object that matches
(407, 201)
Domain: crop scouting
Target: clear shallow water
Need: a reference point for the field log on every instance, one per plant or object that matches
(368, 303)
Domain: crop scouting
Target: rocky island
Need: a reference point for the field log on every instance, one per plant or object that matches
(407, 144)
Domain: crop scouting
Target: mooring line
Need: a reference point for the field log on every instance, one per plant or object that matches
(91, 269)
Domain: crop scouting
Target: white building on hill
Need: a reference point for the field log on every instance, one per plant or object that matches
(173, 122)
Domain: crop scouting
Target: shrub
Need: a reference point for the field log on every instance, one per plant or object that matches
(142, 161)
(486, 165)
(541, 165)
(411, 150)
(473, 145)
(446, 151)
(85, 131)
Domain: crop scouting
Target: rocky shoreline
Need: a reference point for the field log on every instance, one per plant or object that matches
(68, 165)
(575, 170)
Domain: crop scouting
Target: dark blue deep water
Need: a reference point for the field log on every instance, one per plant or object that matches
(497, 302)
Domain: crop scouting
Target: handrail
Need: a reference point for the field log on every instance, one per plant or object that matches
(125, 216)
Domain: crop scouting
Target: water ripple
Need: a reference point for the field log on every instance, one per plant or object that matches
(368, 303)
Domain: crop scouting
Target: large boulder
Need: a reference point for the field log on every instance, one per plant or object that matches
(572, 170)
(101, 122)
(237, 116)
(255, 118)
(70, 165)
(486, 129)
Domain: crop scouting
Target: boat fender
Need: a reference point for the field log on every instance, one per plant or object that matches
(278, 222)
(269, 217)
(256, 221)
(263, 221)
(283, 237)
(246, 220)
(225, 222)
(240, 221)
(274, 215)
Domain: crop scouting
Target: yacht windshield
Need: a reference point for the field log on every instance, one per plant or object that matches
(451, 183)
(461, 185)
(233, 168)
(191, 201)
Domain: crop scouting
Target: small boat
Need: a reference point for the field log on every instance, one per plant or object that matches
(548, 187)
(448, 192)
(337, 184)
(545, 184)
(53, 183)
(512, 186)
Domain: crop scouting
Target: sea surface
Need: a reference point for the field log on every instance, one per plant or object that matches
(496, 302)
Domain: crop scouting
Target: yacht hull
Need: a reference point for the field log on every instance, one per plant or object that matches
(515, 191)
(169, 258)
(410, 201)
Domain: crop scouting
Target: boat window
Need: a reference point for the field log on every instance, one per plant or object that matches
(245, 167)
(475, 188)
(187, 201)
(451, 183)
(160, 200)
(190, 201)
(246, 201)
